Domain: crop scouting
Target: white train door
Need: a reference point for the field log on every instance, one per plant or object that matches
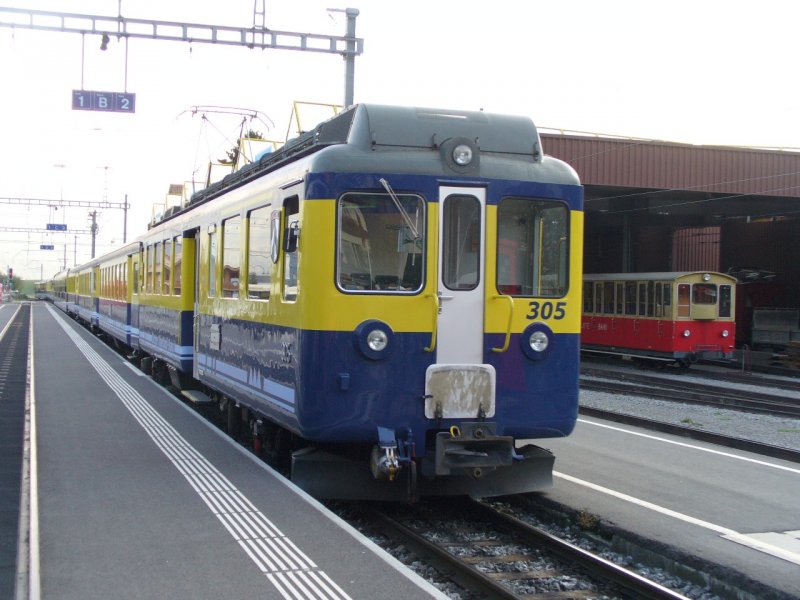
(461, 275)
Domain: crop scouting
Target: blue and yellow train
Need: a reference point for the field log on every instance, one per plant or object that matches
(389, 305)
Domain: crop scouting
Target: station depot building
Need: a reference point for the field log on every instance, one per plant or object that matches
(662, 206)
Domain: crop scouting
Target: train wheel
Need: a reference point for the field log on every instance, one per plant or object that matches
(233, 415)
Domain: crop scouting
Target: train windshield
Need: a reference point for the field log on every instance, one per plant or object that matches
(380, 243)
(532, 240)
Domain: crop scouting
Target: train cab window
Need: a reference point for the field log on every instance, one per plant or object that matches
(259, 265)
(684, 307)
(380, 244)
(231, 256)
(588, 296)
(177, 248)
(725, 300)
(158, 262)
(704, 293)
(534, 234)
(212, 262)
(630, 298)
(167, 289)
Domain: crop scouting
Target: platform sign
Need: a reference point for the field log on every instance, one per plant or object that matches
(46, 247)
(103, 101)
(56, 227)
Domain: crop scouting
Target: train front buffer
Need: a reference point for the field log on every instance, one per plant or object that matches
(467, 457)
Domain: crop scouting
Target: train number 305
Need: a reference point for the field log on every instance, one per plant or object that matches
(546, 310)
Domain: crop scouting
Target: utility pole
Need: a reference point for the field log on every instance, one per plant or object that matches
(93, 228)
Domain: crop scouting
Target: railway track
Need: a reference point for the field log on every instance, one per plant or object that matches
(651, 386)
(493, 554)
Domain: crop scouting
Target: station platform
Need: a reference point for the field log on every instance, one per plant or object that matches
(139, 497)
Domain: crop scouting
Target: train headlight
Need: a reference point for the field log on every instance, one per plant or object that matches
(462, 154)
(377, 340)
(686, 333)
(373, 338)
(725, 333)
(537, 341)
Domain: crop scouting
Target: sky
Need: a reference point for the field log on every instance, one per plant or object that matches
(715, 72)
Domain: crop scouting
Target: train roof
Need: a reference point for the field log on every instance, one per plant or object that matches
(652, 276)
(348, 141)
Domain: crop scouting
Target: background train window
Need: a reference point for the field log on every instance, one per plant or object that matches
(177, 244)
(618, 302)
(167, 267)
(725, 295)
(536, 232)
(704, 293)
(212, 263)
(630, 298)
(643, 299)
(608, 297)
(659, 299)
(377, 250)
(598, 297)
(231, 256)
(683, 300)
(650, 298)
(259, 265)
(588, 296)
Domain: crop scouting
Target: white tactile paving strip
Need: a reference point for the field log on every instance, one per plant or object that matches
(285, 566)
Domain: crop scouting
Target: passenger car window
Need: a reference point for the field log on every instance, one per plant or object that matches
(259, 265)
(231, 256)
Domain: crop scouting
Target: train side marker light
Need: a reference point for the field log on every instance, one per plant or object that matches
(725, 333)
(686, 333)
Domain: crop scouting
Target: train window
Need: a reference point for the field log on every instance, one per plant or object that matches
(650, 298)
(704, 293)
(212, 263)
(259, 265)
(148, 285)
(177, 247)
(630, 298)
(381, 244)
(643, 299)
(683, 300)
(618, 304)
(659, 299)
(588, 296)
(291, 207)
(725, 297)
(461, 242)
(167, 268)
(598, 297)
(231, 256)
(158, 262)
(608, 297)
(534, 235)
(136, 275)
(667, 299)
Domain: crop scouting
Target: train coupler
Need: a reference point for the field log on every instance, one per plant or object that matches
(472, 448)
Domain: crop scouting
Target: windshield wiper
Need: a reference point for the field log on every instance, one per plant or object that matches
(400, 208)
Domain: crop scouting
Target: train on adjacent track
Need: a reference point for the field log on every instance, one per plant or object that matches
(672, 317)
(386, 306)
